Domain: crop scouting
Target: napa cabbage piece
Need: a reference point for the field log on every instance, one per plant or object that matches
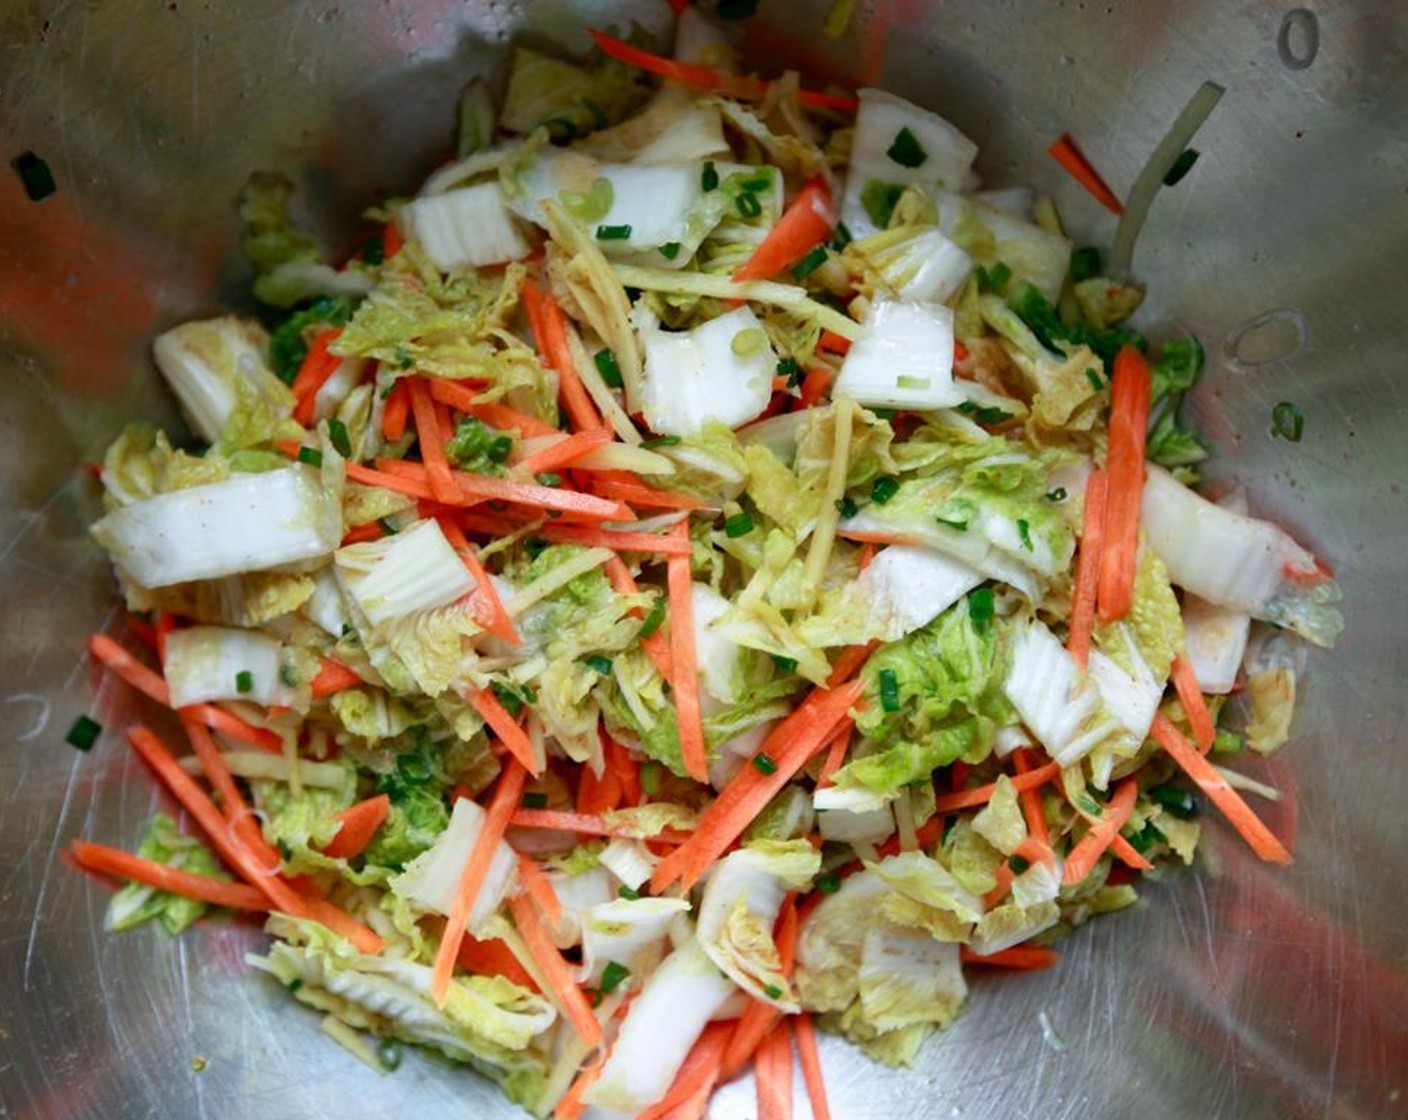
(908, 979)
(136, 902)
(567, 98)
(926, 896)
(931, 699)
(629, 932)
(581, 884)
(488, 1022)
(300, 823)
(905, 360)
(1063, 394)
(664, 1021)
(469, 227)
(830, 941)
(1033, 255)
(431, 879)
(221, 663)
(740, 907)
(243, 523)
(1271, 697)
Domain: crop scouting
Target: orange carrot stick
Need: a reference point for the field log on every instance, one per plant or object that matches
(981, 795)
(639, 494)
(509, 733)
(1083, 857)
(539, 888)
(1195, 705)
(553, 820)
(565, 451)
(772, 1068)
(654, 645)
(231, 726)
(463, 399)
(684, 657)
(318, 365)
(1025, 957)
(492, 958)
(552, 342)
(432, 449)
(232, 803)
(564, 991)
(1087, 569)
(1032, 808)
(339, 921)
(620, 540)
(1130, 390)
(835, 756)
(849, 663)
(476, 868)
(334, 676)
(817, 381)
(1246, 822)
(359, 823)
(805, 224)
(474, 488)
(808, 1057)
(699, 1072)
(396, 411)
(202, 888)
(1064, 151)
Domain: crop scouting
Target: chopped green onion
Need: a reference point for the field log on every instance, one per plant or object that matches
(1024, 532)
(810, 263)
(985, 414)
(1094, 378)
(907, 151)
(613, 233)
(670, 250)
(288, 676)
(84, 733)
(534, 801)
(294, 984)
(959, 524)
(1181, 166)
(748, 342)
(748, 205)
(828, 883)
(535, 547)
(387, 526)
(1085, 263)
(500, 449)
(740, 524)
(889, 690)
(550, 478)
(310, 455)
(592, 204)
(337, 435)
(1287, 422)
(786, 664)
(993, 279)
(841, 237)
(628, 893)
(1146, 838)
(612, 975)
(709, 178)
(607, 366)
(883, 489)
(1018, 864)
(34, 173)
(879, 200)
(981, 606)
(772, 991)
(244, 681)
(904, 381)
(601, 664)
(373, 250)
(1180, 802)
(654, 619)
(388, 1053)
(758, 185)
(847, 506)
(660, 441)
(510, 699)
(1226, 742)
(1088, 804)
(764, 764)
(1057, 495)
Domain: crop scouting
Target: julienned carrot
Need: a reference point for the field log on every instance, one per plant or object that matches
(475, 488)
(1064, 151)
(598, 794)
(432, 448)
(835, 757)
(849, 662)
(1130, 389)
(360, 534)
(232, 803)
(551, 333)
(805, 224)
(509, 733)
(655, 645)
(489, 605)
(571, 1106)
(492, 958)
(318, 365)
(1083, 857)
(319, 909)
(620, 762)
(1120, 848)
(555, 970)
(637, 493)
(814, 385)
(232, 727)
(202, 888)
(981, 795)
(476, 868)
(1195, 705)
(1026, 957)
(704, 77)
(565, 452)
(203, 811)
(832, 343)
(1092, 535)
(760, 1018)
(804, 1037)
(662, 543)
(463, 399)
(539, 888)
(358, 824)
(555, 821)
(1246, 822)
(699, 1072)
(334, 676)
(391, 240)
(789, 746)
(867, 536)
(1032, 809)
(396, 411)
(688, 716)
(772, 1068)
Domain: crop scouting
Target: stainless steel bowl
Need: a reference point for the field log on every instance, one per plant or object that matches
(1235, 991)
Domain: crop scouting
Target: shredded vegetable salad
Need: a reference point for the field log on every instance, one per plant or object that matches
(703, 571)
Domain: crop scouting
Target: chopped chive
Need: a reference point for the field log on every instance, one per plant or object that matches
(810, 263)
(1057, 495)
(670, 250)
(1181, 166)
(1024, 532)
(601, 664)
(993, 279)
(612, 975)
(607, 366)
(740, 524)
(1094, 378)
(510, 699)
(534, 801)
(337, 434)
(1085, 263)
(981, 605)
(709, 177)
(1180, 802)
(889, 690)
(373, 249)
(660, 441)
(985, 414)
(959, 524)
(550, 478)
(287, 676)
(1146, 838)
(841, 237)
(34, 173)
(879, 200)
(906, 150)
(561, 130)
(535, 547)
(847, 506)
(84, 733)
(786, 664)
(628, 893)
(654, 619)
(389, 1052)
(613, 233)
(1088, 804)
(764, 764)
(772, 991)
(883, 489)
(788, 367)
(310, 455)
(748, 205)
(828, 883)
(499, 450)
(1287, 422)
(1018, 864)
(244, 681)
(1226, 742)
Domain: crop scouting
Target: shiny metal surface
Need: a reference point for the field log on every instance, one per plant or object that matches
(1239, 991)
